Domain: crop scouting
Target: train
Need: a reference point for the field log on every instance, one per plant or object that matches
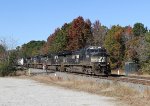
(92, 60)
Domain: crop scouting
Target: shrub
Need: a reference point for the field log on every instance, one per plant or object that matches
(146, 67)
(8, 65)
(6, 69)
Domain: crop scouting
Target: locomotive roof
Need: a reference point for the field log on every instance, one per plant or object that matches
(95, 47)
(64, 53)
(67, 52)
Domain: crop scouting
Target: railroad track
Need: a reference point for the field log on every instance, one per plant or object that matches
(113, 77)
(122, 78)
(137, 80)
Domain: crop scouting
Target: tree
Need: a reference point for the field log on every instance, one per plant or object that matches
(44, 49)
(71, 36)
(147, 39)
(136, 50)
(58, 40)
(2, 51)
(139, 29)
(32, 48)
(99, 33)
(8, 59)
(114, 44)
(88, 32)
(78, 34)
(128, 33)
(146, 64)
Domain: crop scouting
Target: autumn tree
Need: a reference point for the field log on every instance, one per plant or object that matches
(44, 49)
(88, 33)
(58, 40)
(72, 36)
(114, 44)
(128, 33)
(78, 34)
(131, 50)
(49, 42)
(136, 44)
(99, 33)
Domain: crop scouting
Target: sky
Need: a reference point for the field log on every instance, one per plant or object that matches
(26, 20)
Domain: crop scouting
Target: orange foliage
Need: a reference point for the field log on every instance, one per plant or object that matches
(77, 34)
(128, 30)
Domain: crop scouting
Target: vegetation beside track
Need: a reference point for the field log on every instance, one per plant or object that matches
(8, 63)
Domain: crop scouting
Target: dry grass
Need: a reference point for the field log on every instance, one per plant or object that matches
(121, 72)
(122, 93)
(20, 73)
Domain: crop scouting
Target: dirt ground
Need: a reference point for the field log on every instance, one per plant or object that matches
(124, 96)
(26, 92)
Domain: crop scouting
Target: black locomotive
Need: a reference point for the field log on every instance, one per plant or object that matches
(89, 60)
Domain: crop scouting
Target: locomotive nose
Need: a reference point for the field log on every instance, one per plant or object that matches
(102, 64)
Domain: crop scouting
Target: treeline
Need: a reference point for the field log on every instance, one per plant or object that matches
(30, 49)
(122, 43)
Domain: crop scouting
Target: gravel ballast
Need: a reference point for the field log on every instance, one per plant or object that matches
(23, 92)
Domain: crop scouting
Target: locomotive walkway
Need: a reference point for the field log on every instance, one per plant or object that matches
(23, 92)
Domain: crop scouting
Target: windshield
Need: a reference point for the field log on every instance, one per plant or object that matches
(92, 50)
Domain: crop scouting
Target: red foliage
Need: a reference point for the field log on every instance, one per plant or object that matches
(128, 30)
(51, 38)
(76, 34)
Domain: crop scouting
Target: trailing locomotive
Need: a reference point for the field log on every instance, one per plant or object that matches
(89, 60)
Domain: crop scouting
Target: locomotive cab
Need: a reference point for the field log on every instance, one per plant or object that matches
(99, 58)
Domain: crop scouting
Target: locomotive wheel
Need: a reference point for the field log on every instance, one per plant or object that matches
(105, 71)
(62, 67)
(94, 69)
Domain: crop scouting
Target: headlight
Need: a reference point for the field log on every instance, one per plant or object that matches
(94, 59)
